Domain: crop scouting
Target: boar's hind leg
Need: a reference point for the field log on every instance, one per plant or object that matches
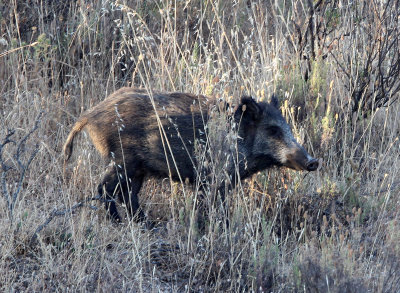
(108, 188)
(114, 183)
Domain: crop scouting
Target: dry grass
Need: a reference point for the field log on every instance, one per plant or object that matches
(335, 230)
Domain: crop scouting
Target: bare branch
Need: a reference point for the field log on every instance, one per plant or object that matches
(68, 211)
(21, 165)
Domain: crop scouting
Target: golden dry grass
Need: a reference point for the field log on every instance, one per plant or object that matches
(334, 230)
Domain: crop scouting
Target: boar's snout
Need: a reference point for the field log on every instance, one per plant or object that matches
(312, 165)
(299, 159)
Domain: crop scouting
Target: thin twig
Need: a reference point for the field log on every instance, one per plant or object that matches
(70, 211)
(20, 150)
(391, 188)
(11, 199)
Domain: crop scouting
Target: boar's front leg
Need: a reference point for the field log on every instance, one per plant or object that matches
(226, 187)
(131, 199)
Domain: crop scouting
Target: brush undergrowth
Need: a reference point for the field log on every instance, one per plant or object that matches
(334, 230)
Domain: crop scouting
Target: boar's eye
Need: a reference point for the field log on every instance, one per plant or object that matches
(273, 131)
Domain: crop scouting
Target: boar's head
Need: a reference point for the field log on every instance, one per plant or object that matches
(265, 139)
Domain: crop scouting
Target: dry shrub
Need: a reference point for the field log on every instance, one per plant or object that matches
(332, 63)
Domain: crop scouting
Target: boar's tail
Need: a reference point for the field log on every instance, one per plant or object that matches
(68, 146)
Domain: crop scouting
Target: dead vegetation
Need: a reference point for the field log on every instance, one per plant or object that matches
(334, 66)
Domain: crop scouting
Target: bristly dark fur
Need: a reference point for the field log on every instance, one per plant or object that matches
(126, 127)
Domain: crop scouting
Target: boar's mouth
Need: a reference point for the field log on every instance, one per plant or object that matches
(301, 161)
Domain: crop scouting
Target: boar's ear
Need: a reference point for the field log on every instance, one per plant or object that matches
(248, 109)
(274, 102)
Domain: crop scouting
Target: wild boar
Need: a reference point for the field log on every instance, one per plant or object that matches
(155, 134)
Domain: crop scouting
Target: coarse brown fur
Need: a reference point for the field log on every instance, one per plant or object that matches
(125, 127)
(154, 134)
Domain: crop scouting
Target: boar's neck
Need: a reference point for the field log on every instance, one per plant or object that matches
(254, 164)
(261, 162)
(249, 162)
